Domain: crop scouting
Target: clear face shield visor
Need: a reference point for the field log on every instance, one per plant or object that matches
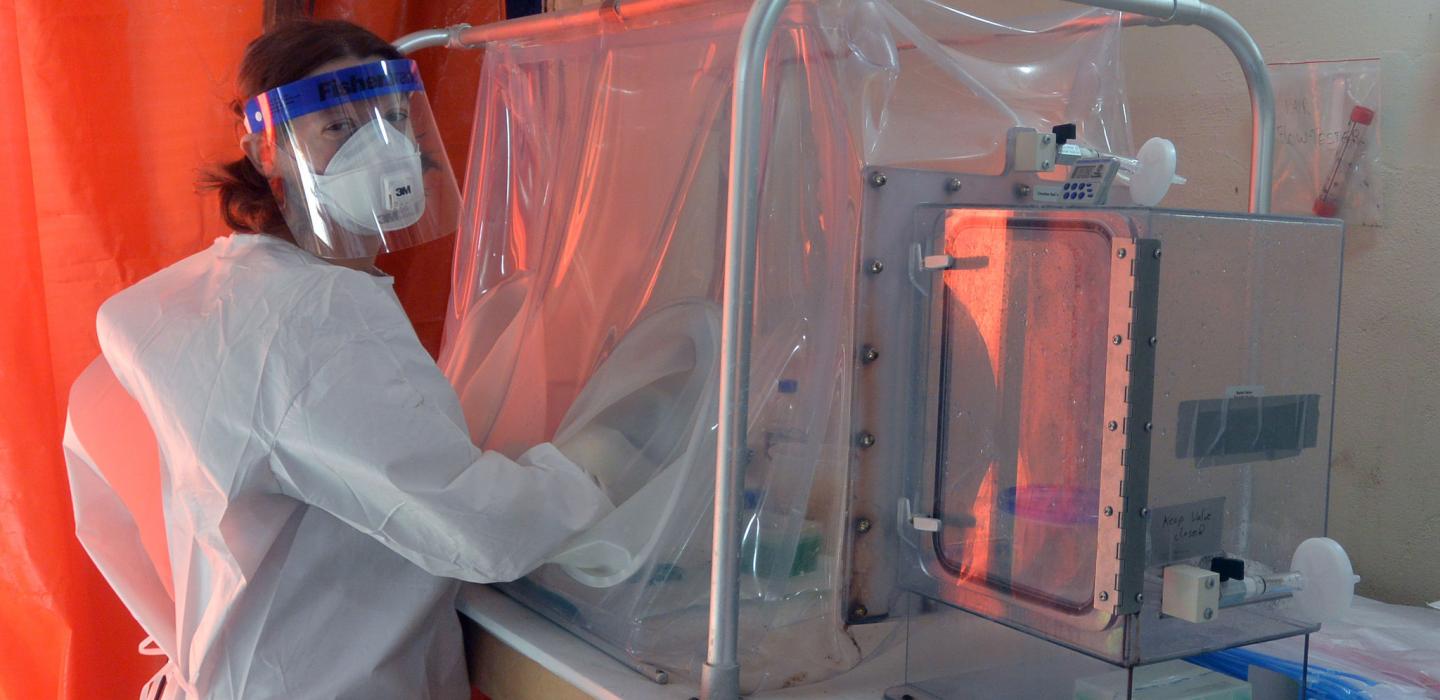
(355, 160)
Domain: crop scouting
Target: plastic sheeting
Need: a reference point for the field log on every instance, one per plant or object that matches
(1328, 134)
(595, 201)
(1396, 648)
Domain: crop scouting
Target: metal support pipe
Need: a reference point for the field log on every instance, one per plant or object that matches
(464, 36)
(1252, 64)
(720, 679)
(426, 38)
(1262, 101)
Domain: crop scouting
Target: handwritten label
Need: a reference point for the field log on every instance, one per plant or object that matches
(1330, 138)
(1186, 531)
(1048, 194)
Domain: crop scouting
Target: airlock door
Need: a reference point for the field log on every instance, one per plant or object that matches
(1032, 330)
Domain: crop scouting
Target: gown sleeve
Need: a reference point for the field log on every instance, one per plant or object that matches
(376, 438)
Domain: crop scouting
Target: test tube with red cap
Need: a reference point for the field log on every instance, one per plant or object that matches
(1352, 146)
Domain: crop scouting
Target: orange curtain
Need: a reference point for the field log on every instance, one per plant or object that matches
(108, 110)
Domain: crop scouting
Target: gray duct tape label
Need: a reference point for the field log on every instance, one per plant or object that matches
(1186, 531)
(1246, 426)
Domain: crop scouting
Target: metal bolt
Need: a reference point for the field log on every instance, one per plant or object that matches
(1121, 253)
(1117, 340)
(878, 180)
(1104, 596)
(1044, 165)
(1022, 190)
(876, 267)
(869, 354)
(1139, 597)
(662, 677)
(862, 525)
(1209, 614)
(1045, 138)
(859, 611)
(866, 440)
(1149, 427)
(953, 184)
(1109, 511)
(1113, 426)
(1144, 512)
(1209, 583)
(1153, 341)
(1157, 253)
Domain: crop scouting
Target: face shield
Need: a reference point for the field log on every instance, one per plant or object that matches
(355, 160)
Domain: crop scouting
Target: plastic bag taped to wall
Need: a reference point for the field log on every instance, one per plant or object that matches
(1327, 131)
(589, 273)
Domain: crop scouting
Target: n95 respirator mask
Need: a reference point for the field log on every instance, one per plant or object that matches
(374, 183)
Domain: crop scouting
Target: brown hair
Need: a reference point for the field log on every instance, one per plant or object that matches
(284, 54)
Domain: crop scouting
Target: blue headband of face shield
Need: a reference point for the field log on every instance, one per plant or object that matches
(318, 92)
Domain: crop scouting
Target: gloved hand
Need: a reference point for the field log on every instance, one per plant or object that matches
(638, 428)
(618, 466)
(637, 412)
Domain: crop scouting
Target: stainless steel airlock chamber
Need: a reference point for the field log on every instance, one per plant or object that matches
(1058, 404)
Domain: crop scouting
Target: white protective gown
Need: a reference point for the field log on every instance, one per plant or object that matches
(320, 490)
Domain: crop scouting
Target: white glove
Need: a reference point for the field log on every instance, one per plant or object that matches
(618, 467)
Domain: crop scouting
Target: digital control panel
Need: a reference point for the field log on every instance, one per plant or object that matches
(1089, 182)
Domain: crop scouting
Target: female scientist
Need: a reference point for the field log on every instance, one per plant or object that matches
(321, 493)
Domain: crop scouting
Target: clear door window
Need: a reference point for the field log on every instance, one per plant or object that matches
(1022, 397)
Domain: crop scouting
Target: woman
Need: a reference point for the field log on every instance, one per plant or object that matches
(321, 493)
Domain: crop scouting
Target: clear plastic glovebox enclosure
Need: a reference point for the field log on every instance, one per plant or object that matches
(585, 310)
